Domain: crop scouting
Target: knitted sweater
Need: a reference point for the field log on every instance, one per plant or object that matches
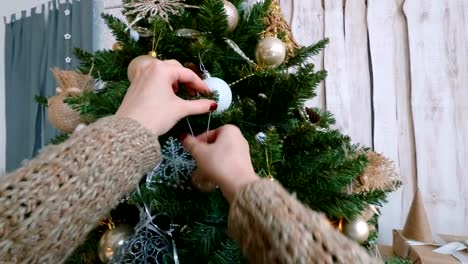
(50, 204)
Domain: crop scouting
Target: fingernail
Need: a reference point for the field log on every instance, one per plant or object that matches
(182, 137)
(213, 107)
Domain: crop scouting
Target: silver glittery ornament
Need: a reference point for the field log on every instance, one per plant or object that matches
(261, 137)
(357, 230)
(111, 241)
(232, 15)
(270, 52)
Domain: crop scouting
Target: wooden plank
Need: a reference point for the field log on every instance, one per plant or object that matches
(104, 37)
(438, 52)
(306, 20)
(406, 138)
(336, 84)
(393, 134)
(358, 72)
(287, 8)
(307, 26)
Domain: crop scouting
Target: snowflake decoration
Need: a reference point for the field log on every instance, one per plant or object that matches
(176, 167)
(151, 9)
(67, 36)
(67, 12)
(68, 60)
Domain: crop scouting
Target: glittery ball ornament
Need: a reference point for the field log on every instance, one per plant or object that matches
(261, 137)
(232, 15)
(137, 64)
(111, 241)
(358, 230)
(223, 91)
(270, 52)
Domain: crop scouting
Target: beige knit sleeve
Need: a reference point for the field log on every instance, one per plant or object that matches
(272, 226)
(49, 205)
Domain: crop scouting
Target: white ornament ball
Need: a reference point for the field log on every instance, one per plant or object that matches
(223, 90)
(134, 35)
(232, 15)
(357, 230)
(79, 128)
(137, 64)
(261, 137)
(270, 52)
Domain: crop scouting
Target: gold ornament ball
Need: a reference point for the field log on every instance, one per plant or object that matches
(232, 15)
(137, 64)
(270, 52)
(111, 241)
(153, 54)
(117, 46)
(358, 230)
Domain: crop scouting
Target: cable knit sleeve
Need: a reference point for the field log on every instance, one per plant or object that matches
(273, 227)
(49, 205)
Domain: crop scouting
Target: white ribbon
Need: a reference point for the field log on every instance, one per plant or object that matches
(452, 248)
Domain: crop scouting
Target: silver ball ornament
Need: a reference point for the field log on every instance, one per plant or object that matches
(261, 137)
(232, 15)
(262, 96)
(223, 90)
(357, 230)
(112, 240)
(270, 52)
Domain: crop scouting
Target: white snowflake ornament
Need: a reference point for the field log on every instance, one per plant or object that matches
(176, 167)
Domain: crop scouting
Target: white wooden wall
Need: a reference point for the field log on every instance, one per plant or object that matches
(398, 82)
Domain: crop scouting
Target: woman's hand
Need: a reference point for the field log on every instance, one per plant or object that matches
(151, 98)
(223, 159)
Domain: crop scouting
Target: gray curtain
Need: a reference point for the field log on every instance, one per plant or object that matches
(33, 45)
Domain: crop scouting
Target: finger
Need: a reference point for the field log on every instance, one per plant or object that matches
(209, 136)
(197, 107)
(194, 146)
(202, 184)
(175, 87)
(173, 63)
(190, 79)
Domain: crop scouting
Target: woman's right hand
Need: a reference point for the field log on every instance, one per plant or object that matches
(223, 159)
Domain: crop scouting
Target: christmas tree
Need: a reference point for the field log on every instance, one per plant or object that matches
(248, 46)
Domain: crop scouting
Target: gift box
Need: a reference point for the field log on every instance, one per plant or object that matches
(424, 254)
(417, 243)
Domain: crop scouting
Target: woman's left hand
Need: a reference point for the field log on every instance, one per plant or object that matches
(151, 98)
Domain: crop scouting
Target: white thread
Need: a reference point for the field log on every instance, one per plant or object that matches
(190, 127)
(208, 127)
